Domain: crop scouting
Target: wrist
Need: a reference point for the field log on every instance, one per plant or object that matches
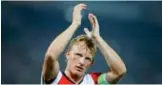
(96, 37)
(75, 24)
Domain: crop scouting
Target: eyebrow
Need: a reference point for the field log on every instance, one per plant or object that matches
(88, 57)
(79, 54)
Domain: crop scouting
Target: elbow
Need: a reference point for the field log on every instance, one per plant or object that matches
(52, 55)
(122, 71)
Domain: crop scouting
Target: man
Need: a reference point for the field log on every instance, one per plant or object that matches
(80, 56)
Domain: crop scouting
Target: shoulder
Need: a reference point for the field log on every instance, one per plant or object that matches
(53, 80)
(95, 76)
(99, 77)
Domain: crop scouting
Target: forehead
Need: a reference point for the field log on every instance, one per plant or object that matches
(80, 47)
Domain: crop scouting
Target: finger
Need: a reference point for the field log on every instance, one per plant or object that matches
(82, 6)
(93, 20)
(88, 33)
(78, 8)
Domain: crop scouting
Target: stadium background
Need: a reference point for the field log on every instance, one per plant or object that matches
(133, 29)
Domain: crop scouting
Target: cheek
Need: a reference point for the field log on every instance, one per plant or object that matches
(88, 65)
(73, 59)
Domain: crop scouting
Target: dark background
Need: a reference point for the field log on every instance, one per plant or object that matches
(133, 29)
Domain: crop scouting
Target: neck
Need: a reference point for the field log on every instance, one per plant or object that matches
(73, 77)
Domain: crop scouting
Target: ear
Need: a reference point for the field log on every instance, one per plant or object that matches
(67, 54)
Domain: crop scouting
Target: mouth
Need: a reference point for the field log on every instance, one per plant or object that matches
(79, 68)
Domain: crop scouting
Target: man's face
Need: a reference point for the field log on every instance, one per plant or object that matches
(79, 58)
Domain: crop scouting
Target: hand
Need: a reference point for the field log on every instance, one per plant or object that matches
(77, 14)
(95, 27)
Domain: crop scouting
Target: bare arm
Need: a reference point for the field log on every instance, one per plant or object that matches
(51, 65)
(117, 66)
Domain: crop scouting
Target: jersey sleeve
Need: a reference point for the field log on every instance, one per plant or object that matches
(53, 80)
(95, 76)
(102, 79)
(99, 78)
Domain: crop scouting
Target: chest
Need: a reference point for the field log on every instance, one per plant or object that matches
(86, 80)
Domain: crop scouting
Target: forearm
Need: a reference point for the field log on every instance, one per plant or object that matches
(59, 44)
(112, 58)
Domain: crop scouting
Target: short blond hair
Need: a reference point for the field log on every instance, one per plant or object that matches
(89, 43)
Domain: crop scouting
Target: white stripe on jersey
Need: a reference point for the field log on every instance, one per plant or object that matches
(58, 77)
(86, 80)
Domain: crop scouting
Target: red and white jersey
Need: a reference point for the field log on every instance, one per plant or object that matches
(90, 78)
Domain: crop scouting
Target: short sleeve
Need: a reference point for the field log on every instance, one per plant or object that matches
(102, 79)
(54, 80)
(95, 76)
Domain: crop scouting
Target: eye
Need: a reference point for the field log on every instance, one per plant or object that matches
(87, 58)
(78, 54)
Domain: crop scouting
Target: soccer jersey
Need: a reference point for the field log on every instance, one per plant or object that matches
(90, 78)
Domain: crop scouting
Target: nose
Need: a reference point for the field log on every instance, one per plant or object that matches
(81, 61)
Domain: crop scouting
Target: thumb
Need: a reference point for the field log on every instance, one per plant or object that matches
(88, 33)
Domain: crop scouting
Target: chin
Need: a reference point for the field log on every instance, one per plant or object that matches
(79, 73)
